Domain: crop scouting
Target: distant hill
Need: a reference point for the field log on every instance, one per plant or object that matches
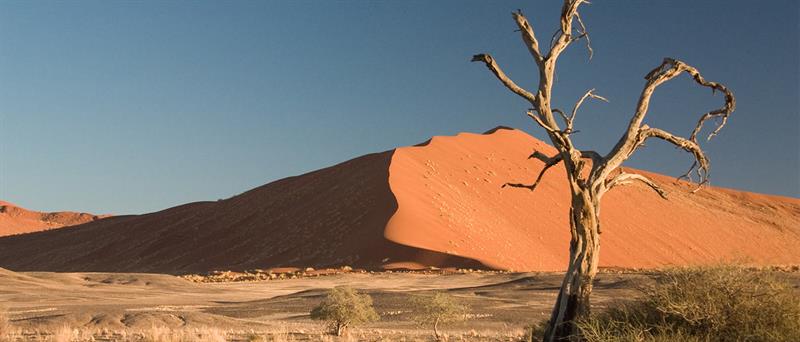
(17, 220)
(440, 204)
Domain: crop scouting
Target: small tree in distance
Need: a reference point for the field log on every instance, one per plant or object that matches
(590, 174)
(343, 307)
(438, 309)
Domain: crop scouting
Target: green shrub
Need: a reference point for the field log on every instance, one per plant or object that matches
(720, 303)
(437, 309)
(344, 306)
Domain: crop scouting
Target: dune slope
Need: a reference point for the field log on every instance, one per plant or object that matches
(436, 204)
(18, 220)
(329, 217)
(450, 199)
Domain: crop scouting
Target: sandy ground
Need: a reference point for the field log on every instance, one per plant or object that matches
(502, 304)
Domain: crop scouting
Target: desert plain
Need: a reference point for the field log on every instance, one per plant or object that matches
(120, 306)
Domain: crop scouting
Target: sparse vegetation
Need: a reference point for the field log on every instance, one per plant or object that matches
(721, 303)
(164, 334)
(343, 307)
(273, 334)
(4, 324)
(438, 309)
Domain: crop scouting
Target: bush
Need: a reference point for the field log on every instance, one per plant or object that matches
(721, 303)
(343, 307)
(437, 309)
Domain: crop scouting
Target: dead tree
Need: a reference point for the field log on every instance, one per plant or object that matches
(605, 173)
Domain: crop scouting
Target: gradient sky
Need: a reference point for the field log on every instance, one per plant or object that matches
(130, 107)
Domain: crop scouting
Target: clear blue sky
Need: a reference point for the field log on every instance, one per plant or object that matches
(130, 107)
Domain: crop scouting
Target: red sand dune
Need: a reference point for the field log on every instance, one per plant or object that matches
(436, 204)
(17, 220)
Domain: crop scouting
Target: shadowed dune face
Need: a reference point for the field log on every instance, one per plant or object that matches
(330, 217)
(18, 220)
(435, 204)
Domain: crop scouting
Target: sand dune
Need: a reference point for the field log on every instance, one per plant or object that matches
(436, 204)
(450, 199)
(17, 220)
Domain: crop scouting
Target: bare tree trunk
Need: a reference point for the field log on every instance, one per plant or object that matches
(573, 303)
(340, 328)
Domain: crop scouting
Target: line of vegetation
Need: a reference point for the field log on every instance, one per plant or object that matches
(344, 306)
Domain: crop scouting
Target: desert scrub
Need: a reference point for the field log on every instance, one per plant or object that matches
(438, 309)
(719, 303)
(343, 307)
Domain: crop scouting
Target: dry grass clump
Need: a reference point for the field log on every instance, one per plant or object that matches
(153, 334)
(4, 325)
(720, 303)
(164, 334)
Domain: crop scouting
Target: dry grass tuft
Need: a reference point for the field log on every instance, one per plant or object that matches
(163, 334)
(720, 303)
(4, 325)
(7, 331)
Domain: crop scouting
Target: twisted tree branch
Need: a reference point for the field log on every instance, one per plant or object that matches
(701, 162)
(561, 114)
(541, 156)
(558, 135)
(723, 112)
(495, 69)
(540, 122)
(583, 33)
(569, 11)
(548, 163)
(637, 133)
(596, 158)
(526, 30)
(578, 104)
(626, 178)
(588, 94)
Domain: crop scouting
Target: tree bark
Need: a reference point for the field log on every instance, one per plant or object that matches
(340, 328)
(572, 303)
